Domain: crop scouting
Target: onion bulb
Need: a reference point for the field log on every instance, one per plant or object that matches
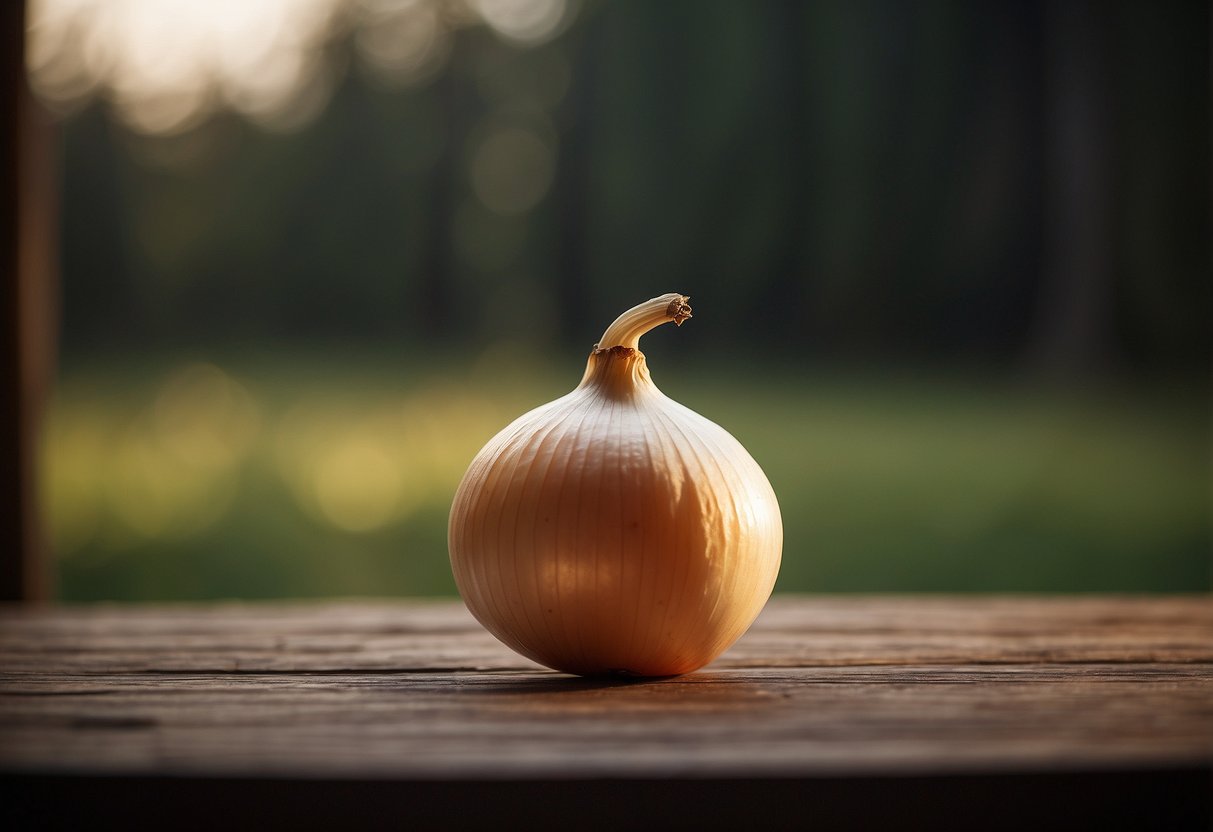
(614, 531)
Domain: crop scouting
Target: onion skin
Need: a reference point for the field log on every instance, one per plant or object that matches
(614, 531)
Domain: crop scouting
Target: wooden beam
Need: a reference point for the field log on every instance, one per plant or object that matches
(27, 245)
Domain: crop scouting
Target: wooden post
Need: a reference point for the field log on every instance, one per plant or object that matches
(27, 246)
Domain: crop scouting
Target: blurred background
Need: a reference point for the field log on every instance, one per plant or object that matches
(950, 266)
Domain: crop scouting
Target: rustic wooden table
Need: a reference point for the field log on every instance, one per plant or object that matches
(832, 712)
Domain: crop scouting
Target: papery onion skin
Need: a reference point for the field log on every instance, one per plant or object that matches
(614, 531)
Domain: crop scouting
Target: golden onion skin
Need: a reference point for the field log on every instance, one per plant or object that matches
(614, 531)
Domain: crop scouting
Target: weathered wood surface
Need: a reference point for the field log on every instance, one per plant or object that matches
(838, 686)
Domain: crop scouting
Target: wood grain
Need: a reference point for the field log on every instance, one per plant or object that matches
(838, 686)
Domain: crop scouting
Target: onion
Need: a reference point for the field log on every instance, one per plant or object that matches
(614, 531)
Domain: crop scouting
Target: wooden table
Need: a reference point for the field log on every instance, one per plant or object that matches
(832, 712)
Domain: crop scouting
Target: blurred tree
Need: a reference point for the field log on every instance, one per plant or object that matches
(1009, 182)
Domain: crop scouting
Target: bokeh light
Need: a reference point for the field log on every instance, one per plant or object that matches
(204, 418)
(512, 169)
(168, 468)
(358, 485)
(403, 42)
(168, 65)
(524, 21)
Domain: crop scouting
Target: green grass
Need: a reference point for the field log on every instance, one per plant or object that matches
(280, 477)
